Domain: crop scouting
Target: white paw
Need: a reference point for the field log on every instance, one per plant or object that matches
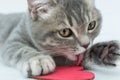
(38, 65)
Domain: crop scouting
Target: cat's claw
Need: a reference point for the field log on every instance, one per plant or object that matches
(38, 65)
(105, 53)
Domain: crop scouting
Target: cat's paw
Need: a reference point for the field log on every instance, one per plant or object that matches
(105, 53)
(38, 65)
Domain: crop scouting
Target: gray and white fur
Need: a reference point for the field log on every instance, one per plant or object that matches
(52, 33)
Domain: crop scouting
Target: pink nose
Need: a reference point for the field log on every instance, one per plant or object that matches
(85, 45)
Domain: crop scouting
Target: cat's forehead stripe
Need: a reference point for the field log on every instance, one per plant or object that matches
(77, 9)
(70, 20)
(79, 18)
(73, 20)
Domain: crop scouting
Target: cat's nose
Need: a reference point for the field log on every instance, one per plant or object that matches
(85, 45)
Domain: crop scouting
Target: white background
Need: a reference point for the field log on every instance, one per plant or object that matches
(110, 10)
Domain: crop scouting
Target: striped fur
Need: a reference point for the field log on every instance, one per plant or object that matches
(30, 41)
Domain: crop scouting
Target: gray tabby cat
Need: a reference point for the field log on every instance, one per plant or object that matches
(54, 33)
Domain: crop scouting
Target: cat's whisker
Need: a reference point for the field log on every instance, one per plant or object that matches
(49, 28)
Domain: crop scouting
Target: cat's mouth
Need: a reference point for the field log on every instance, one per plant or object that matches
(79, 59)
(76, 58)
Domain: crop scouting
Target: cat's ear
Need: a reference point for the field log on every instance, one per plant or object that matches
(32, 8)
(39, 7)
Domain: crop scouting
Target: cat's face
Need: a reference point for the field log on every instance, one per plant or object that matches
(64, 27)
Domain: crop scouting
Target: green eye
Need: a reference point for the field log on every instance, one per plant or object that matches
(65, 32)
(92, 25)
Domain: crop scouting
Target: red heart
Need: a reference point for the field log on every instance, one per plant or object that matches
(68, 73)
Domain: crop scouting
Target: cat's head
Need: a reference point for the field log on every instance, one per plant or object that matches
(64, 27)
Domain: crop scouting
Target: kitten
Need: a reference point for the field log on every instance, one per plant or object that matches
(52, 33)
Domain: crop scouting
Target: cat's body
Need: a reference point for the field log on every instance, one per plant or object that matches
(54, 32)
(6, 26)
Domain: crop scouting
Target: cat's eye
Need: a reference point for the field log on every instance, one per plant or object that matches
(92, 25)
(65, 32)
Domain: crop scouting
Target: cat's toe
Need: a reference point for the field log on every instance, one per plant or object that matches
(110, 53)
(48, 65)
(38, 66)
(105, 53)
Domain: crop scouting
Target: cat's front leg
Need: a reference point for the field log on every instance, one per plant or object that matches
(38, 65)
(104, 53)
(28, 60)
